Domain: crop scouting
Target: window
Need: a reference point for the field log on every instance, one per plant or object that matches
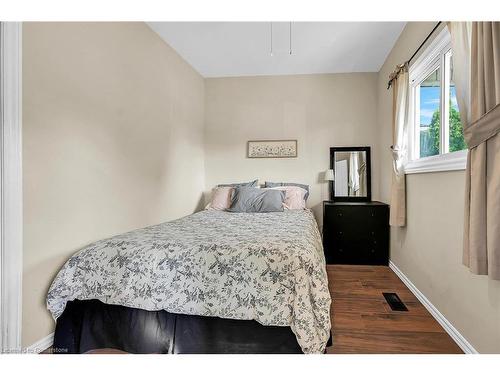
(436, 141)
(429, 101)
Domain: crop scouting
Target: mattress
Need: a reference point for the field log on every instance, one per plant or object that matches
(267, 267)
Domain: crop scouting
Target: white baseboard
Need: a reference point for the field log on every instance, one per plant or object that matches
(40, 345)
(448, 327)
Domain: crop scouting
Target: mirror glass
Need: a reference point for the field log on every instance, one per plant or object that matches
(350, 174)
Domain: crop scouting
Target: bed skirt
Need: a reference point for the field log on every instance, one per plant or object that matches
(92, 324)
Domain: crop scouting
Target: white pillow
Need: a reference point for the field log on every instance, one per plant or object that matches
(294, 197)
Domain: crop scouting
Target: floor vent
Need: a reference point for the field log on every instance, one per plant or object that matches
(395, 302)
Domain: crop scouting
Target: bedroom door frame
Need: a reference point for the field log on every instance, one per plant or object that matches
(11, 221)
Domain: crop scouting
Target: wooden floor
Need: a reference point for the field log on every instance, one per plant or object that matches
(363, 322)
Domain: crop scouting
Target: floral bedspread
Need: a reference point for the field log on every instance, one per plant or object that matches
(268, 267)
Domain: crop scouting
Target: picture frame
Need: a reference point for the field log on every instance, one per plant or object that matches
(260, 149)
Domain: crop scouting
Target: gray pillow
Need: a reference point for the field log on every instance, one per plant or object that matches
(251, 199)
(240, 184)
(277, 184)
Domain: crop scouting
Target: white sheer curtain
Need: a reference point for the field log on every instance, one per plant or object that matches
(401, 89)
(460, 43)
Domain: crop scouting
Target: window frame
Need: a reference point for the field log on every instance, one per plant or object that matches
(435, 56)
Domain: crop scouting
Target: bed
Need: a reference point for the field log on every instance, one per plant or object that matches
(261, 275)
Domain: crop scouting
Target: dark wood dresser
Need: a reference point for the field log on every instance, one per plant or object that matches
(356, 232)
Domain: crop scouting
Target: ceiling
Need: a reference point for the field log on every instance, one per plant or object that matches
(224, 49)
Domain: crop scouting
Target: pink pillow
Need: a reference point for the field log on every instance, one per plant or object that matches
(221, 198)
(294, 197)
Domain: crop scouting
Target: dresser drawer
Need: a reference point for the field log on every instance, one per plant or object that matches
(345, 216)
(357, 254)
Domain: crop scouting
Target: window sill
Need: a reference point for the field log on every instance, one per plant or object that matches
(454, 161)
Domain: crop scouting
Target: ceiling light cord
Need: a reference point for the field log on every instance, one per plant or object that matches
(290, 35)
(271, 39)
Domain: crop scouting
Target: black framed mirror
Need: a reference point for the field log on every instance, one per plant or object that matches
(352, 174)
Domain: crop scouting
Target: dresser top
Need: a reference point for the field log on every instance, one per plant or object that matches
(372, 203)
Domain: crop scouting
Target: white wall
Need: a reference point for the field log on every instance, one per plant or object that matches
(429, 249)
(320, 111)
(112, 141)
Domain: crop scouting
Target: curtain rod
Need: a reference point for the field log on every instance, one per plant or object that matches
(414, 54)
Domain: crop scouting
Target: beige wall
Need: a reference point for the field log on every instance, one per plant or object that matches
(319, 111)
(429, 249)
(113, 140)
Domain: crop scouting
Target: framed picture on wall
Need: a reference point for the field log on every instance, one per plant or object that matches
(272, 149)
